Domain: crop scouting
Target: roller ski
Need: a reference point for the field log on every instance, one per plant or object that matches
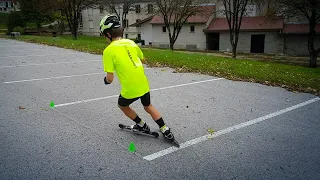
(169, 137)
(141, 130)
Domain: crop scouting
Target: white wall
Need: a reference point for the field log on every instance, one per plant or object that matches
(185, 37)
(273, 42)
(146, 32)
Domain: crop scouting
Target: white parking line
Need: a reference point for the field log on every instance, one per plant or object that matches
(40, 55)
(58, 77)
(107, 97)
(42, 64)
(226, 131)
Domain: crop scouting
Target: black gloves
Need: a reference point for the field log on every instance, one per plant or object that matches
(105, 81)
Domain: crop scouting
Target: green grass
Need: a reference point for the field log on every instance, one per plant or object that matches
(296, 78)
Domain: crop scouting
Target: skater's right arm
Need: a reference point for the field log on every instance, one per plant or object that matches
(108, 65)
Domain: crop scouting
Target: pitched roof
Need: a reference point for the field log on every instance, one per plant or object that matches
(203, 17)
(142, 21)
(298, 28)
(248, 23)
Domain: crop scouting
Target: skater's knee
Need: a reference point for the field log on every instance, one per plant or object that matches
(123, 107)
(148, 108)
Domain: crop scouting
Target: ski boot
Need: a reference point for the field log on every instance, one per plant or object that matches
(170, 137)
(144, 129)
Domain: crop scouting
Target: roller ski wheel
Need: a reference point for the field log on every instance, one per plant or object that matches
(126, 127)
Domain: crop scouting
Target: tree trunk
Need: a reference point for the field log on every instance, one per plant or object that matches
(313, 59)
(234, 51)
(171, 46)
(75, 33)
(38, 28)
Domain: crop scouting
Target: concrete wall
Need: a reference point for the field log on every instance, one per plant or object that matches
(146, 32)
(298, 44)
(273, 42)
(95, 16)
(186, 39)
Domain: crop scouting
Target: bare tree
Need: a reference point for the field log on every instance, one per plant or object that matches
(175, 14)
(234, 10)
(72, 9)
(308, 10)
(121, 8)
(36, 11)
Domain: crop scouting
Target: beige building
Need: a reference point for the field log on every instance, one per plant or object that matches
(210, 31)
(7, 6)
(90, 17)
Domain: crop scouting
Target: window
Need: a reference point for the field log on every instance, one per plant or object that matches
(9, 4)
(164, 29)
(126, 36)
(91, 24)
(138, 8)
(139, 37)
(137, 21)
(150, 8)
(4, 9)
(192, 29)
(90, 11)
(101, 9)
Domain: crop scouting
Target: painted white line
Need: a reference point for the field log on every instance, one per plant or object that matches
(43, 64)
(107, 97)
(58, 77)
(59, 54)
(11, 46)
(226, 131)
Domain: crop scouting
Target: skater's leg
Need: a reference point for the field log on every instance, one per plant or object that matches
(128, 111)
(123, 104)
(154, 113)
(156, 116)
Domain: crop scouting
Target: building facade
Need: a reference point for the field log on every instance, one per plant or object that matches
(90, 17)
(210, 32)
(7, 6)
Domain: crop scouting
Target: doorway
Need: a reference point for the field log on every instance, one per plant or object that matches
(257, 43)
(213, 41)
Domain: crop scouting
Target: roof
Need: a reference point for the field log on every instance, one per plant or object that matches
(142, 21)
(298, 28)
(203, 17)
(248, 23)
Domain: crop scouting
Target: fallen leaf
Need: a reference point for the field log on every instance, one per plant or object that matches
(21, 107)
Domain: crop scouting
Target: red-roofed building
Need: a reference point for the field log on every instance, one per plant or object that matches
(295, 38)
(257, 35)
(261, 35)
(153, 30)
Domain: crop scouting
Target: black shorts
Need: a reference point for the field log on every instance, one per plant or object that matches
(145, 100)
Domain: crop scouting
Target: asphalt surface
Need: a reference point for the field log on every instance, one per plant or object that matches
(81, 139)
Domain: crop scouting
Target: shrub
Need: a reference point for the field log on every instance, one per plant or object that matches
(15, 19)
(19, 29)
